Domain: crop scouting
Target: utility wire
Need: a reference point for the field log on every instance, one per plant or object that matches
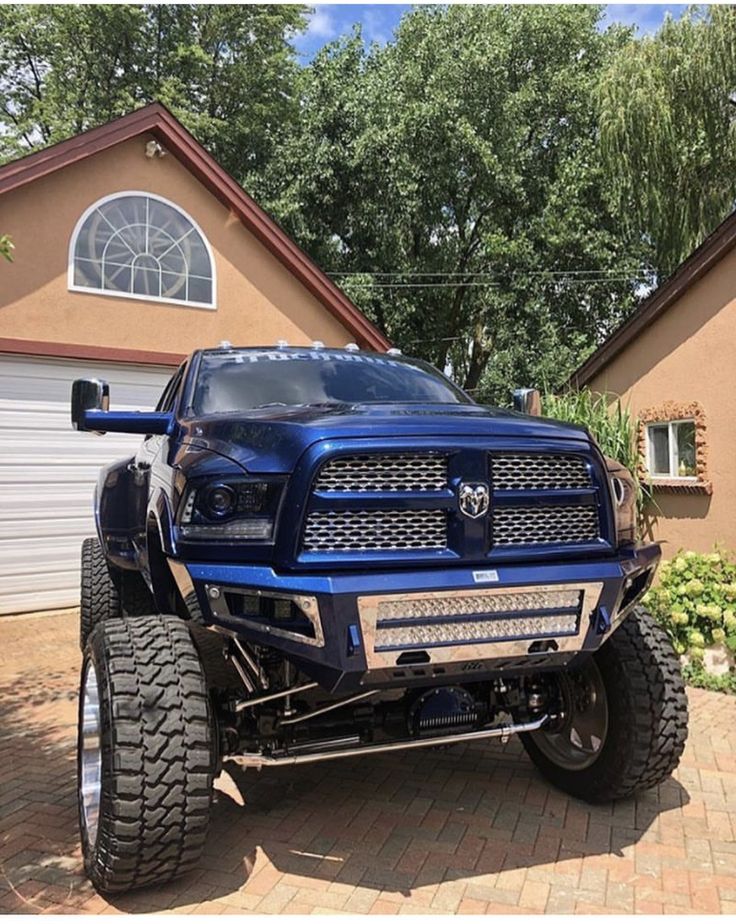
(639, 271)
(488, 285)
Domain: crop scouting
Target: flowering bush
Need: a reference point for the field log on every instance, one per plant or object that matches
(695, 600)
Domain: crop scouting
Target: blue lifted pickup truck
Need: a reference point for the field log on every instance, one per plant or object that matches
(322, 553)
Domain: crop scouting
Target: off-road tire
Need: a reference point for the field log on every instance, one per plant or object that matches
(107, 593)
(647, 716)
(157, 744)
(100, 598)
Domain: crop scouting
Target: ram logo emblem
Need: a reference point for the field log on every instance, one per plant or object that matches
(474, 499)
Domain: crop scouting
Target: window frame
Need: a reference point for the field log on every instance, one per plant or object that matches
(675, 411)
(161, 300)
(671, 425)
(167, 401)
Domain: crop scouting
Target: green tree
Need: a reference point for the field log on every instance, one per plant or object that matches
(466, 152)
(227, 72)
(668, 131)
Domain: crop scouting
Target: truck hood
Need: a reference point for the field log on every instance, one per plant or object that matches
(272, 439)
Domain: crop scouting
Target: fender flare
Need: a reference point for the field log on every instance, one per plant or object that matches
(159, 510)
(160, 544)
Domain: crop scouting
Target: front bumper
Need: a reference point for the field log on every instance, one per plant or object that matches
(404, 628)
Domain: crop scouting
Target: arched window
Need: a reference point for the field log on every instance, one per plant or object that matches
(138, 245)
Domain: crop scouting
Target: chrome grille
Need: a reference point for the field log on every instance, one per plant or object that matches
(365, 530)
(543, 525)
(537, 472)
(399, 472)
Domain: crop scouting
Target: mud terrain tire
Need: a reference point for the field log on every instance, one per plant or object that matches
(647, 717)
(146, 766)
(107, 594)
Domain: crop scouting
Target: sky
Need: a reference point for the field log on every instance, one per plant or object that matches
(328, 21)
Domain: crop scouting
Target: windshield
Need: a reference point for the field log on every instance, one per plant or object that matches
(238, 381)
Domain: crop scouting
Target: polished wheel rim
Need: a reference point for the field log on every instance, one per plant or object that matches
(91, 755)
(575, 740)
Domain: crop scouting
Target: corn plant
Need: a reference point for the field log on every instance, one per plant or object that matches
(613, 427)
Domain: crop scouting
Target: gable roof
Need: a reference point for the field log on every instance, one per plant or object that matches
(156, 120)
(693, 268)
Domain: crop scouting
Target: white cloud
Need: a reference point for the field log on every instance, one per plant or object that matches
(321, 25)
(374, 28)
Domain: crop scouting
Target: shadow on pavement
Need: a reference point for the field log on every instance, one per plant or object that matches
(398, 824)
(392, 824)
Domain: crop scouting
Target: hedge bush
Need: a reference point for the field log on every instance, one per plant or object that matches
(695, 600)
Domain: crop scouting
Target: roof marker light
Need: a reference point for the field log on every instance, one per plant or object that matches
(282, 344)
(317, 345)
(352, 347)
(224, 345)
(394, 351)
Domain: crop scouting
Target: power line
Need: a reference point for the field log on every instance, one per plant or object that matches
(582, 272)
(488, 285)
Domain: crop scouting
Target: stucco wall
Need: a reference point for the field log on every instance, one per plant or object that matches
(689, 354)
(258, 301)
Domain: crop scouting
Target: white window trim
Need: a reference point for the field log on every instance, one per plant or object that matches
(673, 458)
(88, 290)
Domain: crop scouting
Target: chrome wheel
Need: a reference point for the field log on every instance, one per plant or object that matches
(576, 739)
(90, 755)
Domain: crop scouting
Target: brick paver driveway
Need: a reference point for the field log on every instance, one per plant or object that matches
(470, 829)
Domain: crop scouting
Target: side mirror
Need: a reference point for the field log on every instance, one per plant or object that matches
(90, 411)
(527, 401)
(88, 395)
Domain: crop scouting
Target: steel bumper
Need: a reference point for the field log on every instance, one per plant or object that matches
(409, 627)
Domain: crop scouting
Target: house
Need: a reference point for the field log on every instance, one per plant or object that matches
(132, 247)
(674, 363)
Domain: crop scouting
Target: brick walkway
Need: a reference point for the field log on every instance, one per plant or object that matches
(463, 830)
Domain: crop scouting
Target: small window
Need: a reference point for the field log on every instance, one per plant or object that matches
(671, 449)
(138, 245)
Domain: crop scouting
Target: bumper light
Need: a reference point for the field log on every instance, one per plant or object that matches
(466, 632)
(477, 605)
(476, 624)
(291, 616)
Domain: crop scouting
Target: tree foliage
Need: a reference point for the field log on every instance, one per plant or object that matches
(228, 72)
(492, 187)
(466, 152)
(668, 131)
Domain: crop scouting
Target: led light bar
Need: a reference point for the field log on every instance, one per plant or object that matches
(466, 632)
(461, 605)
(480, 624)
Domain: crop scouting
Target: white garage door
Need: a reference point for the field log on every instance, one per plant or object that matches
(48, 472)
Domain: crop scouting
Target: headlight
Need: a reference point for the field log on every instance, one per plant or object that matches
(231, 510)
(623, 495)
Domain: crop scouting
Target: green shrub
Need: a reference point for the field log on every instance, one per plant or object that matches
(696, 676)
(612, 426)
(695, 601)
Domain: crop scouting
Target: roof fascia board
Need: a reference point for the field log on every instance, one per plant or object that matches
(700, 262)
